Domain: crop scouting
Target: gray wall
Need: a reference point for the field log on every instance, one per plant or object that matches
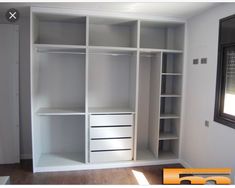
(203, 146)
(25, 126)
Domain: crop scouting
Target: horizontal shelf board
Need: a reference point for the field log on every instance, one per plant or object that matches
(162, 155)
(168, 136)
(169, 116)
(60, 111)
(61, 159)
(170, 95)
(160, 50)
(58, 46)
(110, 110)
(110, 49)
(172, 74)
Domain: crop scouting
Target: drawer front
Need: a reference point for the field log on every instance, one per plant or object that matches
(111, 132)
(110, 156)
(110, 144)
(110, 120)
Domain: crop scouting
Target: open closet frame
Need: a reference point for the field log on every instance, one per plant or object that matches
(82, 72)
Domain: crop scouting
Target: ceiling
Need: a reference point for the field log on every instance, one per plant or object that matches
(182, 10)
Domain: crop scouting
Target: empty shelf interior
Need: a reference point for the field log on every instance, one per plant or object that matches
(61, 159)
(112, 32)
(58, 29)
(161, 36)
(168, 149)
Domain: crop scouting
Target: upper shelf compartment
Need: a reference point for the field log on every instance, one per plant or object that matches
(155, 35)
(112, 32)
(59, 29)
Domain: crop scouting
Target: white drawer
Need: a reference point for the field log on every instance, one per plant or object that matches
(110, 156)
(111, 144)
(111, 132)
(110, 120)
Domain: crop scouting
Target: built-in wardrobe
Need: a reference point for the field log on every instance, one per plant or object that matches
(105, 91)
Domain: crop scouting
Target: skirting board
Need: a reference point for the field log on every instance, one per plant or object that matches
(104, 166)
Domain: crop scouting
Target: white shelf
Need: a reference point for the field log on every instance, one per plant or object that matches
(61, 159)
(169, 116)
(58, 46)
(110, 110)
(160, 50)
(164, 155)
(170, 95)
(60, 111)
(111, 49)
(171, 74)
(168, 136)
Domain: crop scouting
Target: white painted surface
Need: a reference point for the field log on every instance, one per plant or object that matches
(111, 144)
(111, 132)
(203, 146)
(9, 101)
(110, 156)
(110, 120)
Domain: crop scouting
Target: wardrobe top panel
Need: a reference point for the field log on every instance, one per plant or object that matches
(160, 24)
(111, 21)
(60, 18)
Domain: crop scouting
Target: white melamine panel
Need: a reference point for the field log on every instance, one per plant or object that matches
(110, 156)
(110, 80)
(111, 111)
(60, 80)
(149, 95)
(112, 32)
(111, 132)
(62, 134)
(60, 111)
(153, 37)
(161, 35)
(110, 120)
(111, 144)
(60, 30)
(61, 159)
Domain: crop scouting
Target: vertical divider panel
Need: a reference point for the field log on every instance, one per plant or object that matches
(183, 83)
(137, 91)
(154, 109)
(86, 94)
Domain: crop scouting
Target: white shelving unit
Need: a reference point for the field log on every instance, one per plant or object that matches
(105, 92)
(170, 105)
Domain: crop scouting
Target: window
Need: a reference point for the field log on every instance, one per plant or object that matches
(225, 89)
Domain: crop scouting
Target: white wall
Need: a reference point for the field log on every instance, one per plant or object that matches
(203, 146)
(25, 126)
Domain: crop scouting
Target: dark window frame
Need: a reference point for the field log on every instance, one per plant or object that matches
(219, 116)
